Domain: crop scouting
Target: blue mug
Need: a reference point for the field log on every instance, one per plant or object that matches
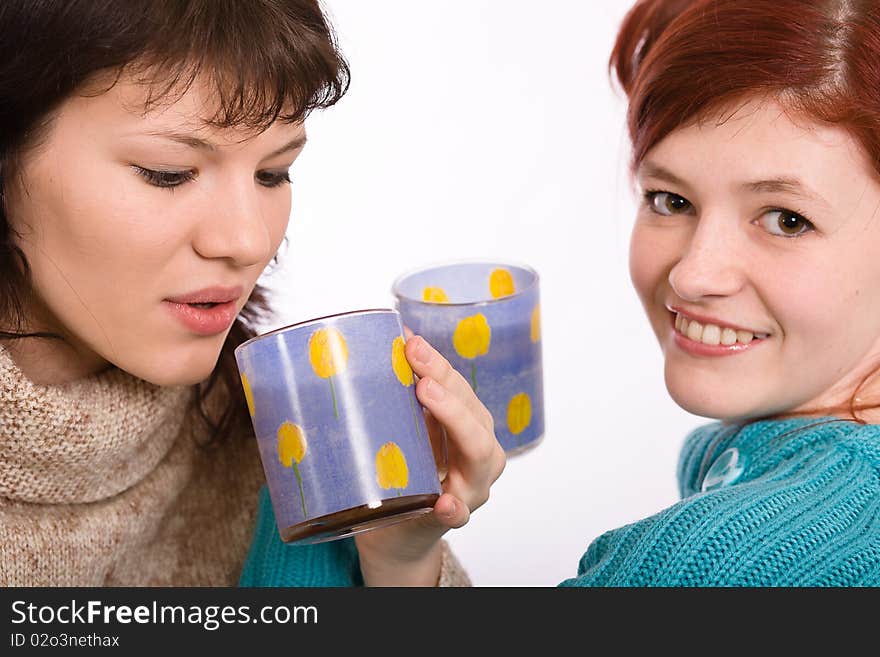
(341, 434)
(485, 318)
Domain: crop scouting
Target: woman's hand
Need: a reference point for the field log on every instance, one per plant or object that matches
(408, 553)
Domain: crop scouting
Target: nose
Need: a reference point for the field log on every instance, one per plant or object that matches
(234, 226)
(711, 263)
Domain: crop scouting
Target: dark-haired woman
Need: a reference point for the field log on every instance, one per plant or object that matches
(144, 156)
(756, 147)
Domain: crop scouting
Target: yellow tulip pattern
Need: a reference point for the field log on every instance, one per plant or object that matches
(328, 354)
(501, 283)
(292, 448)
(435, 295)
(391, 468)
(404, 373)
(536, 323)
(399, 363)
(519, 413)
(248, 394)
(471, 339)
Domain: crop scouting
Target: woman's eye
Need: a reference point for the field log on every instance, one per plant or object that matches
(164, 178)
(666, 203)
(177, 178)
(273, 178)
(785, 223)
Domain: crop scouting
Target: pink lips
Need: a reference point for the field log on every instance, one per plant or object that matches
(206, 320)
(697, 348)
(214, 294)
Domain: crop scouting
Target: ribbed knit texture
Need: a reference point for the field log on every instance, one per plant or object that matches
(103, 483)
(272, 562)
(804, 512)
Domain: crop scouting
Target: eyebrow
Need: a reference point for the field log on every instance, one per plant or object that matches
(196, 142)
(781, 184)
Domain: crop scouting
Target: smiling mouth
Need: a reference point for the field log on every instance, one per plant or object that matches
(713, 334)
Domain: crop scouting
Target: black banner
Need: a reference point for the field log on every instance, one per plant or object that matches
(135, 620)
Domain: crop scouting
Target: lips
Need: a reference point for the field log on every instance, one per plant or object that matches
(209, 295)
(208, 311)
(710, 340)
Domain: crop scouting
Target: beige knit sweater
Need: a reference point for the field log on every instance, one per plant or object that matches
(102, 483)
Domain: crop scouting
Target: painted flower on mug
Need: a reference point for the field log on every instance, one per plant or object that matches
(435, 295)
(519, 413)
(536, 323)
(328, 352)
(501, 283)
(248, 393)
(471, 339)
(399, 363)
(391, 468)
(328, 355)
(404, 374)
(292, 448)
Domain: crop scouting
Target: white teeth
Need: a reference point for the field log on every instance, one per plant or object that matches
(728, 336)
(713, 335)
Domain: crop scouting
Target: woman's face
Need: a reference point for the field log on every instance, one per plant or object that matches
(762, 233)
(121, 212)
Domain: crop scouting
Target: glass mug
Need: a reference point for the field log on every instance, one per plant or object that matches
(341, 434)
(484, 317)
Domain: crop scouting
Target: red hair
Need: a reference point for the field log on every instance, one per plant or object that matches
(679, 60)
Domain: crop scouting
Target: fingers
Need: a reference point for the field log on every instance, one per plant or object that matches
(428, 362)
(450, 512)
(437, 434)
(453, 414)
(474, 458)
(479, 459)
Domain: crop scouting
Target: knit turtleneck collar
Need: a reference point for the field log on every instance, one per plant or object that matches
(82, 441)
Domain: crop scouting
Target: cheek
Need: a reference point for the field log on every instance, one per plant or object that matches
(813, 301)
(277, 213)
(829, 317)
(95, 215)
(649, 262)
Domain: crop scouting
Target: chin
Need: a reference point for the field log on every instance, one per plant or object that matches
(186, 370)
(716, 407)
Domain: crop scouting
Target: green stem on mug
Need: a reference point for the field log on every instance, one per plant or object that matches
(412, 404)
(474, 376)
(302, 496)
(333, 394)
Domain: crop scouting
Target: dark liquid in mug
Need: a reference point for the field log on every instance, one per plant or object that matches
(359, 519)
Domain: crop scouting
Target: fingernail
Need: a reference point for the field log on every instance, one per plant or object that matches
(435, 391)
(453, 508)
(422, 351)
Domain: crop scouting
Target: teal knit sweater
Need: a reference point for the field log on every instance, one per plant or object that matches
(770, 503)
(271, 562)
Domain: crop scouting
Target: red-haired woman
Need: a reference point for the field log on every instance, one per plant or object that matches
(756, 146)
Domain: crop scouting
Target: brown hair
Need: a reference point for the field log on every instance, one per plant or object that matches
(680, 60)
(268, 60)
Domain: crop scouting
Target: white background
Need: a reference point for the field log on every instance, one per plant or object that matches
(489, 129)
